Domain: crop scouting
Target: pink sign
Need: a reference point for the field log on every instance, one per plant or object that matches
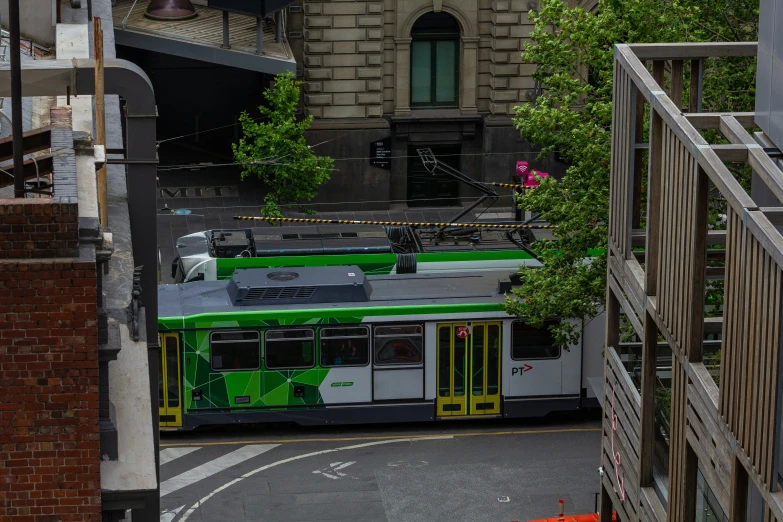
(522, 169)
(530, 180)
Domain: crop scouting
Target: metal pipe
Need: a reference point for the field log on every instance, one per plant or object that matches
(225, 31)
(89, 10)
(16, 98)
(100, 119)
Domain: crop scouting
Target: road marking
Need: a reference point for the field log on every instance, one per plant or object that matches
(169, 454)
(335, 468)
(201, 501)
(213, 466)
(168, 516)
(381, 437)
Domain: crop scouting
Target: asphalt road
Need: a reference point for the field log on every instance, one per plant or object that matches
(446, 471)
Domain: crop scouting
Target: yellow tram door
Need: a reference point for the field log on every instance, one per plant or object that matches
(468, 366)
(170, 384)
(485, 369)
(452, 371)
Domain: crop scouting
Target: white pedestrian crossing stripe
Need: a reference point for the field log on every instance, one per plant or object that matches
(169, 454)
(212, 467)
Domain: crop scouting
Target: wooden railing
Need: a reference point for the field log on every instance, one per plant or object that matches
(729, 433)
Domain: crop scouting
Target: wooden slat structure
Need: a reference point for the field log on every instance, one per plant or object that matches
(726, 427)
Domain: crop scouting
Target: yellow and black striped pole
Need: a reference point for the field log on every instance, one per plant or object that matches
(316, 221)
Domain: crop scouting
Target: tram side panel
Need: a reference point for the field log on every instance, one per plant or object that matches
(539, 376)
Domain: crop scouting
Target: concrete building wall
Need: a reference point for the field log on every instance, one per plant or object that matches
(37, 19)
(769, 79)
(354, 58)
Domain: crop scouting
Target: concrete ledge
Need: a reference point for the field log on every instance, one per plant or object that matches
(129, 391)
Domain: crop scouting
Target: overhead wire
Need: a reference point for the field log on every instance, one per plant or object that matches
(210, 165)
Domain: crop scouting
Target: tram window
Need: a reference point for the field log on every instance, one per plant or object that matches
(232, 351)
(345, 346)
(398, 344)
(289, 349)
(532, 343)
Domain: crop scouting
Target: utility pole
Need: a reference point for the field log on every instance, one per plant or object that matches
(16, 98)
(100, 120)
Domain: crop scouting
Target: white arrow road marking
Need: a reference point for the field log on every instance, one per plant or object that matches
(195, 506)
(169, 454)
(213, 466)
(168, 516)
(334, 467)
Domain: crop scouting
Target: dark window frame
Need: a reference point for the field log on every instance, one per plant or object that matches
(377, 346)
(220, 332)
(321, 339)
(559, 348)
(423, 36)
(267, 341)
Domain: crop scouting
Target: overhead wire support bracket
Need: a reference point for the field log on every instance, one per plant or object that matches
(435, 166)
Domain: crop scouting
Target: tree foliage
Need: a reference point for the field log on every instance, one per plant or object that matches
(275, 150)
(572, 116)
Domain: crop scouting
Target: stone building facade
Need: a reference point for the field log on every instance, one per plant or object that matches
(367, 67)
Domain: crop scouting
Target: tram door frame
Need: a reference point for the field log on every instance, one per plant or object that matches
(172, 414)
(467, 361)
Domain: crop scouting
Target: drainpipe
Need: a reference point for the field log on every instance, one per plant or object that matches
(16, 98)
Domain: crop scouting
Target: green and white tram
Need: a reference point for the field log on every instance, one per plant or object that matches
(329, 345)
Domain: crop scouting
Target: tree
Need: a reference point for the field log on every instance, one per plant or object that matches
(275, 150)
(573, 52)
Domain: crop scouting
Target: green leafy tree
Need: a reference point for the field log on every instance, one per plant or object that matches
(573, 52)
(275, 150)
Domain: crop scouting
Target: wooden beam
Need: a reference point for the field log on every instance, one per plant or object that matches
(714, 237)
(697, 82)
(687, 51)
(714, 254)
(647, 413)
(654, 187)
(699, 265)
(32, 141)
(676, 83)
(731, 153)
(711, 120)
(738, 493)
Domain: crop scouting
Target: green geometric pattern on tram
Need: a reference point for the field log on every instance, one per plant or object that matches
(270, 388)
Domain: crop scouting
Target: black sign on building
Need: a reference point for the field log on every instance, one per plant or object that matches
(380, 153)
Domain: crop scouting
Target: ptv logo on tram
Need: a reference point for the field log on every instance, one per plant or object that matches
(519, 370)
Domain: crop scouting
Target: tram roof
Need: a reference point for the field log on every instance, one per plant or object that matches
(396, 290)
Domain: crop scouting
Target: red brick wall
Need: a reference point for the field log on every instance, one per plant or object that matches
(49, 438)
(38, 228)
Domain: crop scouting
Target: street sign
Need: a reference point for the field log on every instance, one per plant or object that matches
(521, 169)
(463, 331)
(380, 153)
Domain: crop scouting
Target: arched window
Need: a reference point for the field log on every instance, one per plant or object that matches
(435, 61)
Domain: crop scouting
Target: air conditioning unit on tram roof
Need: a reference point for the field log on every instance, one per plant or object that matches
(299, 285)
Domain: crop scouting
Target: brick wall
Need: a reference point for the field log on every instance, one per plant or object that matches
(49, 435)
(38, 228)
